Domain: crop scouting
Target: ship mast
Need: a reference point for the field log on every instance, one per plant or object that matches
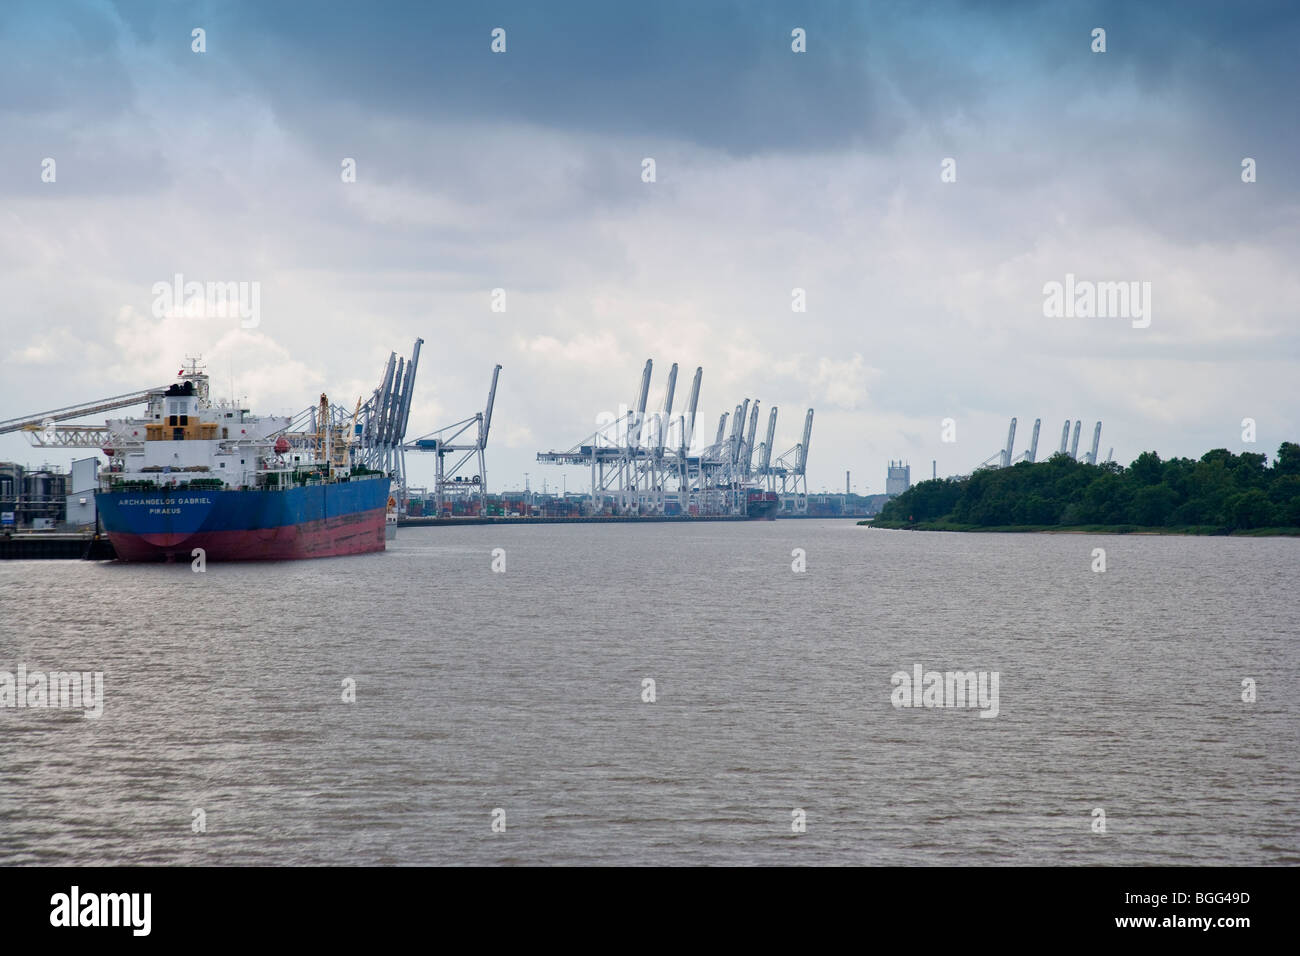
(193, 371)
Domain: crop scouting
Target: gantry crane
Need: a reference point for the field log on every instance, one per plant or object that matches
(448, 481)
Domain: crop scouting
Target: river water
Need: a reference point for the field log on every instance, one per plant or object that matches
(520, 697)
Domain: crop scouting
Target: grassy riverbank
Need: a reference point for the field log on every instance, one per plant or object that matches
(1083, 528)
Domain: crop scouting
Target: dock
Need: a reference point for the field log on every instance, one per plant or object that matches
(35, 545)
(432, 522)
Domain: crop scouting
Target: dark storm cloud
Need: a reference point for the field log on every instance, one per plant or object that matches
(718, 74)
(714, 74)
(722, 74)
(1206, 83)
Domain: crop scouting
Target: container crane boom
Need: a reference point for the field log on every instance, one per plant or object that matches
(691, 405)
(487, 412)
(666, 415)
(803, 447)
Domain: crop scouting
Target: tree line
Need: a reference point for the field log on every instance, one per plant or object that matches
(1221, 490)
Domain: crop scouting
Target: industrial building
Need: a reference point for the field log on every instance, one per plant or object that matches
(898, 479)
(32, 499)
(83, 480)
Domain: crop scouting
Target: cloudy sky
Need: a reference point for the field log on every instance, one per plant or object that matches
(775, 170)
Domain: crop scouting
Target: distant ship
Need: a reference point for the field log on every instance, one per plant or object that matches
(193, 475)
(762, 504)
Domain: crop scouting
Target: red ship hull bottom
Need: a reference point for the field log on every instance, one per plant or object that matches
(358, 533)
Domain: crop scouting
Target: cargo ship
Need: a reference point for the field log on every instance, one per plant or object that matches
(762, 505)
(196, 475)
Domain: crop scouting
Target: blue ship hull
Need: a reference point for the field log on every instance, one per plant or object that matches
(312, 521)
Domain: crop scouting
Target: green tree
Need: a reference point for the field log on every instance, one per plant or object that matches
(1220, 489)
(1105, 501)
(1038, 510)
(1250, 509)
(1146, 470)
(1284, 489)
(1250, 470)
(1153, 506)
(1288, 458)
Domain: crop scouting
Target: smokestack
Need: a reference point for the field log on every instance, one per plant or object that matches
(848, 490)
(934, 468)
